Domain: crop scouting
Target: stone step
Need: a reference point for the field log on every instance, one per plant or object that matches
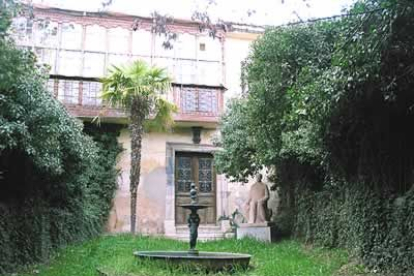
(203, 234)
(200, 228)
(200, 237)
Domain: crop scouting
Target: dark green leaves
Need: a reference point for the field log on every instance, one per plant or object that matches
(284, 74)
(56, 183)
(330, 105)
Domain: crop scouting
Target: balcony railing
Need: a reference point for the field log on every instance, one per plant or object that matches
(197, 103)
(81, 98)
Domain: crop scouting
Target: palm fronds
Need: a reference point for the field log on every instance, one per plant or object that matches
(125, 85)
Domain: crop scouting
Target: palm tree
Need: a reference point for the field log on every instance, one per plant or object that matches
(138, 90)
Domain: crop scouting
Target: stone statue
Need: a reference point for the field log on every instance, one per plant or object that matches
(257, 203)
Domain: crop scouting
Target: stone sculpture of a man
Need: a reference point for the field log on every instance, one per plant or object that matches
(257, 203)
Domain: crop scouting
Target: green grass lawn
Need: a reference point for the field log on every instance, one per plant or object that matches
(114, 254)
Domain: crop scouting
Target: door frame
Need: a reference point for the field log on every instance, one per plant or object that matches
(196, 155)
(170, 229)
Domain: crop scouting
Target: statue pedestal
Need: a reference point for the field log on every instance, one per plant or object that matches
(258, 231)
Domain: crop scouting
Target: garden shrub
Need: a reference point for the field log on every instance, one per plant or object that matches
(330, 107)
(56, 180)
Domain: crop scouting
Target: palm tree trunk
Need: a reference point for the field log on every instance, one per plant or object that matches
(136, 128)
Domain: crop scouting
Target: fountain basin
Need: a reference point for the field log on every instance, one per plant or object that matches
(201, 261)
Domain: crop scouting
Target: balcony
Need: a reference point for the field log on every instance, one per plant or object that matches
(197, 105)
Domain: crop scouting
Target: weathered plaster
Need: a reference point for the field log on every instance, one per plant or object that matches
(153, 191)
(120, 213)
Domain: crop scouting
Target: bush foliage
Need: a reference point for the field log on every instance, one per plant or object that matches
(56, 182)
(330, 106)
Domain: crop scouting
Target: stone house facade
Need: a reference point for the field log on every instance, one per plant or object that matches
(79, 47)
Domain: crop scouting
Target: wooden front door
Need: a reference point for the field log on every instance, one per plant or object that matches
(197, 168)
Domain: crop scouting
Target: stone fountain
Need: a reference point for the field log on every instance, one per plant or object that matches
(193, 258)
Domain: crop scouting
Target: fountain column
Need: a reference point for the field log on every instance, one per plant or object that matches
(193, 220)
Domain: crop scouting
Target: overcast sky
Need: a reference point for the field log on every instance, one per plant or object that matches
(267, 12)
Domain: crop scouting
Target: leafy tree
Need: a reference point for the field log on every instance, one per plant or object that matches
(237, 158)
(330, 104)
(278, 115)
(138, 90)
(56, 182)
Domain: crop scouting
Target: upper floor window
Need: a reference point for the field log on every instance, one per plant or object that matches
(47, 56)
(73, 49)
(91, 91)
(70, 63)
(118, 40)
(46, 34)
(198, 100)
(186, 71)
(186, 46)
(208, 73)
(22, 29)
(95, 38)
(68, 91)
(93, 64)
(207, 101)
(141, 42)
(71, 36)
